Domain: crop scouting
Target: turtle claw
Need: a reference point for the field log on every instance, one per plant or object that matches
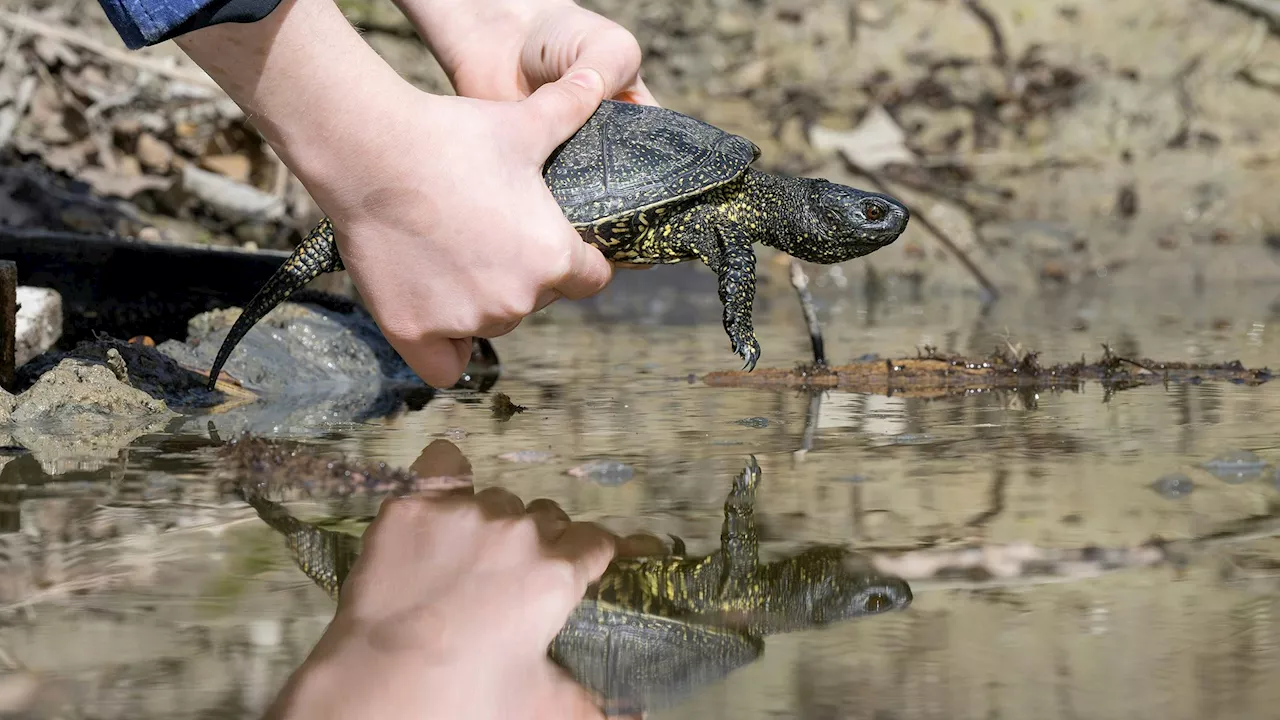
(748, 350)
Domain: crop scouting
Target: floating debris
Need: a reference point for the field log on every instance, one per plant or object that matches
(1173, 486)
(504, 409)
(526, 456)
(753, 422)
(605, 472)
(932, 374)
(912, 439)
(1236, 466)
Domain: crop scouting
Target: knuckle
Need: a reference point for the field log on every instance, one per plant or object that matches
(410, 508)
(558, 579)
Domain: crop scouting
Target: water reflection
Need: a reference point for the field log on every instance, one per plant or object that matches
(655, 628)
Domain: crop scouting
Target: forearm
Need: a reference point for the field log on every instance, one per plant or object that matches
(306, 80)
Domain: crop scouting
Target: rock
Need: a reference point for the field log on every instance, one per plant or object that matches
(7, 401)
(39, 322)
(78, 416)
(138, 365)
(604, 472)
(78, 389)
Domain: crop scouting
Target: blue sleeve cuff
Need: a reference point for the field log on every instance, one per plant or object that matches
(147, 22)
(141, 23)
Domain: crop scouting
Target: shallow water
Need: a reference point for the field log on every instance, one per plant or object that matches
(137, 590)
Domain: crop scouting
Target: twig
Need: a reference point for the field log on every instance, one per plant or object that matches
(998, 52)
(1186, 104)
(929, 225)
(122, 57)
(1017, 564)
(1268, 10)
(800, 282)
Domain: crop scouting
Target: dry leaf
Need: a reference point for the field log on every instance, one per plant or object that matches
(235, 167)
(153, 153)
(876, 142)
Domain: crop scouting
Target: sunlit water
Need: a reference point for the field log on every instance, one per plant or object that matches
(137, 590)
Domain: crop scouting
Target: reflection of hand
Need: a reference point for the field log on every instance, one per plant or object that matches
(451, 606)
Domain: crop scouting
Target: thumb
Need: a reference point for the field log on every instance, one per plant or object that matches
(556, 110)
(588, 271)
(440, 362)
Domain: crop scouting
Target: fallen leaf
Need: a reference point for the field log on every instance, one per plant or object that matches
(876, 142)
(154, 153)
(69, 158)
(52, 53)
(236, 167)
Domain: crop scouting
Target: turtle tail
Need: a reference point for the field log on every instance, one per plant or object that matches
(324, 556)
(315, 256)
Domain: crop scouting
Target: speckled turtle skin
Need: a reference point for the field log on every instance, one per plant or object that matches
(647, 185)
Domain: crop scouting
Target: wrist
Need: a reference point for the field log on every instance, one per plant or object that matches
(307, 82)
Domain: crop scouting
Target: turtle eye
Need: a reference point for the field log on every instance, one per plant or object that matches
(876, 602)
(874, 211)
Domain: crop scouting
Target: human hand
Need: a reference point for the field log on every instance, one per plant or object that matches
(450, 231)
(442, 217)
(505, 49)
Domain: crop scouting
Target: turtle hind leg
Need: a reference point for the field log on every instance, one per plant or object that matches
(739, 538)
(315, 256)
(737, 293)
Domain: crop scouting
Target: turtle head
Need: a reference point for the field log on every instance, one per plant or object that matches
(859, 595)
(838, 222)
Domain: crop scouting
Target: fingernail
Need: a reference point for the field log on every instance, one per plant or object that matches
(587, 78)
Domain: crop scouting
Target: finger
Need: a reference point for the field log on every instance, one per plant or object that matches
(615, 54)
(641, 545)
(441, 459)
(550, 518)
(589, 548)
(438, 361)
(588, 273)
(490, 332)
(556, 110)
(496, 502)
(545, 298)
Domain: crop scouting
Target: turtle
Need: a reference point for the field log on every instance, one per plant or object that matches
(649, 185)
(651, 630)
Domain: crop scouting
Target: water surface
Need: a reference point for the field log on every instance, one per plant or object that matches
(139, 590)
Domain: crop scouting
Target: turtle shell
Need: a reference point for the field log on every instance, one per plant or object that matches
(638, 662)
(629, 157)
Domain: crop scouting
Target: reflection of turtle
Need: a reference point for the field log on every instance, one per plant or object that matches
(648, 185)
(654, 629)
